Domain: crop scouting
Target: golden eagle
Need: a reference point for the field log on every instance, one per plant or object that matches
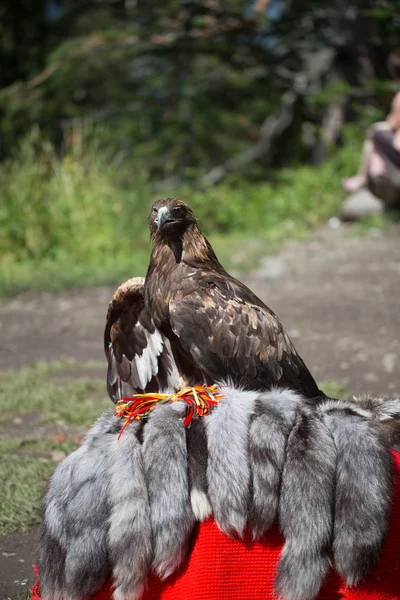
(213, 321)
(196, 319)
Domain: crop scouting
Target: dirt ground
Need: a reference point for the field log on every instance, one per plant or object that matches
(337, 295)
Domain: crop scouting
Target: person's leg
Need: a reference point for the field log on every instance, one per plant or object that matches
(372, 158)
(377, 165)
(356, 182)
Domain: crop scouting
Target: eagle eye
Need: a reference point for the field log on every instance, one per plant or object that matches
(155, 210)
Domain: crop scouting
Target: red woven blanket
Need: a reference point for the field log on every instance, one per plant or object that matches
(219, 568)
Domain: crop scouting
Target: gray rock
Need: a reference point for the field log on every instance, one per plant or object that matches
(360, 204)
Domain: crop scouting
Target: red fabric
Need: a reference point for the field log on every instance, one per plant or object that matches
(219, 568)
(35, 591)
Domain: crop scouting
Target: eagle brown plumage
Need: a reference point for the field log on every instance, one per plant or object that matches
(139, 356)
(217, 327)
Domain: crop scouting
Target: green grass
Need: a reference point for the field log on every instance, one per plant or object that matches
(45, 393)
(35, 448)
(24, 481)
(380, 222)
(82, 220)
(42, 391)
(334, 389)
(25, 467)
(65, 273)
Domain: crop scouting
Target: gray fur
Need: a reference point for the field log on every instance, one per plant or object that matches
(73, 532)
(166, 470)
(129, 536)
(52, 576)
(122, 507)
(306, 508)
(275, 412)
(228, 470)
(387, 412)
(87, 512)
(107, 423)
(197, 460)
(363, 490)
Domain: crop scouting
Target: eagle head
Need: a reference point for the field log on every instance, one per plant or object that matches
(170, 217)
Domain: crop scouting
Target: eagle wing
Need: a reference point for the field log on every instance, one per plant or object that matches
(231, 334)
(139, 356)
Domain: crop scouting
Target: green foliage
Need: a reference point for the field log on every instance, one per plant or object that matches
(331, 93)
(183, 84)
(82, 219)
(75, 207)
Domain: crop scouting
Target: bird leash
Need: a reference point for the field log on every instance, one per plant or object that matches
(200, 401)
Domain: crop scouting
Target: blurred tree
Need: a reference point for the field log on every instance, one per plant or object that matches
(194, 86)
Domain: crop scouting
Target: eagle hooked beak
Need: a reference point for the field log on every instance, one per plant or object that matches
(163, 217)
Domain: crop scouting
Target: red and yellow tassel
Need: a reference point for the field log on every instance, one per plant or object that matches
(200, 401)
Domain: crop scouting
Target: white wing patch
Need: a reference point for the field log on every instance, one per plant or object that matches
(147, 364)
